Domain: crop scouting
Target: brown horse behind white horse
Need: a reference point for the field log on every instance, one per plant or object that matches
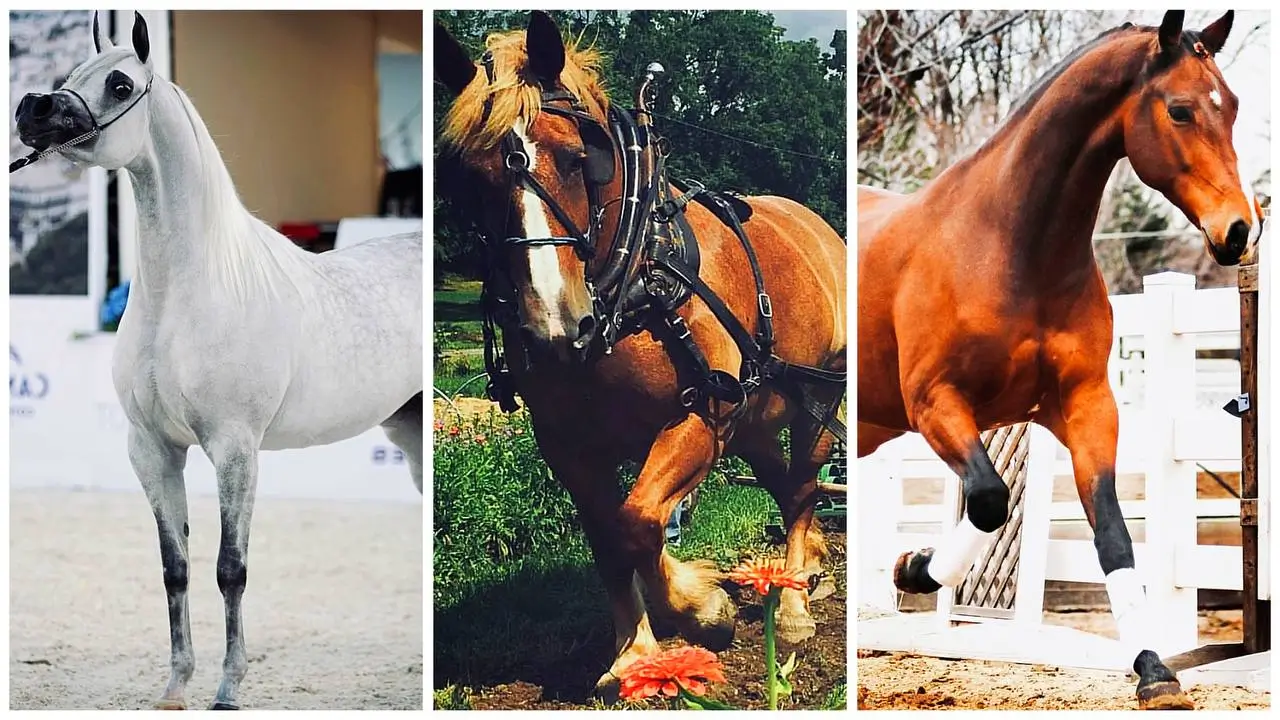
(980, 303)
(527, 126)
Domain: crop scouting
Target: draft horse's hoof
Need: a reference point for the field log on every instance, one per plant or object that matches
(164, 704)
(1158, 687)
(219, 705)
(1164, 696)
(608, 689)
(911, 573)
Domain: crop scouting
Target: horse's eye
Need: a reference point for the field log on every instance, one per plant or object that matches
(121, 91)
(1180, 113)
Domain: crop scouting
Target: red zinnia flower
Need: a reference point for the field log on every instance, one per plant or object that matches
(479, 439)
(766, 574)
(453, 431)
(439, 425)
(689, 667)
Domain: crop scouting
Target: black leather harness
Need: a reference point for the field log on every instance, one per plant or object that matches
(653, 267)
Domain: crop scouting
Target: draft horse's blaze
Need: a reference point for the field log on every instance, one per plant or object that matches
(949, 354)
(554, 167)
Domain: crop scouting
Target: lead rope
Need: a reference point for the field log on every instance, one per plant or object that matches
(39, 155)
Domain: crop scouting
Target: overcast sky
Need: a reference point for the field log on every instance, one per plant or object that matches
(817, 24)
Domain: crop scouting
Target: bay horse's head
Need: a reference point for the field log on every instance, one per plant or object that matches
(529, 125)
(98, 102)
(1177, 135)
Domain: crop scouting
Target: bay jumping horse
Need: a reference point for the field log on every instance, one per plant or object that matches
(234, 339)
(980, 303)
(641, 323)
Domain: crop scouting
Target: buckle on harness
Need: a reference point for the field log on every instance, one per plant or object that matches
(766, 305)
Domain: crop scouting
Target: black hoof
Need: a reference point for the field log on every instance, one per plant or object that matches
(911, 573)
(1158, 687)
(219, 705)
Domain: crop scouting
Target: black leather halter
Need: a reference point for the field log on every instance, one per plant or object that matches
(518, 164)
(94, 131)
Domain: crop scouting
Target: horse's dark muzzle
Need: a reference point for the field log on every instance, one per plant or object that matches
(52, 119)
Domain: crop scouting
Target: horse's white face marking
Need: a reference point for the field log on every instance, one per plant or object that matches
(1215, 97)
(544, 262)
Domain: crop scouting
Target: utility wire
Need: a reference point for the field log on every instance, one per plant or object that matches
(735, 138)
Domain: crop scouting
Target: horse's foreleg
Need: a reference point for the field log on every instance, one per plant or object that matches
(795, 489)
(159, 467)
(591, 481)
(1089, 426)
(235, 461)
(404, 429)
(946, 421)
(679, 459)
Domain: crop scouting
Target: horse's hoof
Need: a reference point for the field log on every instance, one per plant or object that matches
(713, 626)
(608, 688)
(220, 705)
(795, 628)
(1166, 695)
(165, 704)
(911, 573)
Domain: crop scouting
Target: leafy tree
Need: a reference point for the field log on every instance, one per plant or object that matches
(744, 109)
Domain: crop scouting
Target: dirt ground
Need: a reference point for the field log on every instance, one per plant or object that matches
(332, 612)
(897, 681)
(823, 661)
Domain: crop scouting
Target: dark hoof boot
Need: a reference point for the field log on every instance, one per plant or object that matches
(219, 705)
(1158, 687)
(910, 573)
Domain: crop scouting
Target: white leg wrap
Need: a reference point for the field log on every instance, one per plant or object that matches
(1129, 608)
(955, 554)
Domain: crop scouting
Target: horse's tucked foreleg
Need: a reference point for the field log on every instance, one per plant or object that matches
(590, 481)
(679, 459)
(159, 467)
(946, 422)
(1089, 427)
(235, 460)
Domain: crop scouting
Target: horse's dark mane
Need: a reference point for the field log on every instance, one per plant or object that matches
(1036, 91)
(1033, 94)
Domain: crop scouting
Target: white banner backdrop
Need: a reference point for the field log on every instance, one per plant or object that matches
(67, 429)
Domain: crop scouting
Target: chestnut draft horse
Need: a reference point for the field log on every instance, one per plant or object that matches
(557, 170)
(980, 303)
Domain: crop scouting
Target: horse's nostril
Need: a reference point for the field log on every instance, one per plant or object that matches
(41, 107)
(1237, 236)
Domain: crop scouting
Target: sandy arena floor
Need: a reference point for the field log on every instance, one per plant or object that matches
(333, 610)
(899, 681)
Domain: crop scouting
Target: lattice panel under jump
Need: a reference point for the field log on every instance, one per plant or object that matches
(990, 588)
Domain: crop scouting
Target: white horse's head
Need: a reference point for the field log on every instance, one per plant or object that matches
(108, 93)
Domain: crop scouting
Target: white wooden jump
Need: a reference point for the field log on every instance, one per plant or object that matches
(1167, 426)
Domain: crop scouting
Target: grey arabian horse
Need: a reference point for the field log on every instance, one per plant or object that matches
(234, 340)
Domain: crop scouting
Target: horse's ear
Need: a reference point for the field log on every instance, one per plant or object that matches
(1171, 31)
(141, 42)
(1215, 36)
(453, 65)
(545, 48)
(101, 40)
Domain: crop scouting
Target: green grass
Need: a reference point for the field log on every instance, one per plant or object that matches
(457, 339)
(513, 579)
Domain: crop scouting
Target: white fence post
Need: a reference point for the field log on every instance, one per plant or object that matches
(879, 493)
(1033, 553)
(1170, 482)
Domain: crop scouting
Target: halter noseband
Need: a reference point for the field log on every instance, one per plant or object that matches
(96, 130)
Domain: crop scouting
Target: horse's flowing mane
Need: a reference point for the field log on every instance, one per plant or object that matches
(247, 255)
(515, 95)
